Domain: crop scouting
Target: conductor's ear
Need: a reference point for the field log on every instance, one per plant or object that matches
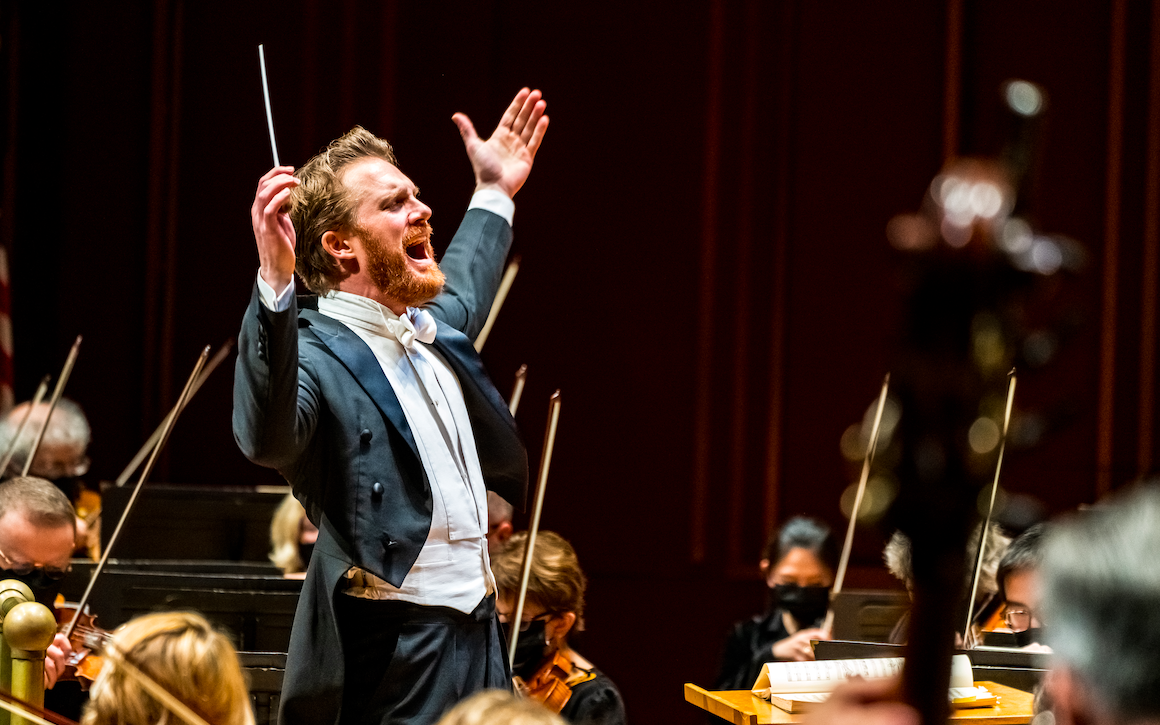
(337, 244)
(764, 565)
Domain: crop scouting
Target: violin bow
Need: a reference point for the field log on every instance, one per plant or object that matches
(169, 422)
(505, 285)
(56, 393)
(210, 366)
(967, 632)
(11, 451)
(867, 462)
(534, 527)
(517, 391)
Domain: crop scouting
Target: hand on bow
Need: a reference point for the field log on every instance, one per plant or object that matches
(504, 161)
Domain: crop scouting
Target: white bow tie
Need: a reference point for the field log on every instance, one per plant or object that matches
(417, 324)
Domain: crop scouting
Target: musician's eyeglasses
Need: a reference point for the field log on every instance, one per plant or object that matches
(526, 625)
(25, 568)
(1017, 619)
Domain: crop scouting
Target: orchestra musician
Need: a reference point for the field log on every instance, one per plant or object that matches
(186, 656)
(499, 522)
(292, 538)
(61, 458)
(1100, 596)
(370, 399)
(798, 567)
(37, 530)
(1018, 580)
(553, 609)
(897, 556)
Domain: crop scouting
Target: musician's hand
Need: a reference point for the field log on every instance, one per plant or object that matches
(54, 660)
(273, 230)
(796, 647)
(861, 702)
(504, 161)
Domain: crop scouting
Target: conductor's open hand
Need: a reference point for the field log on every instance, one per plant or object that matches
(503, 161)
(273, 230)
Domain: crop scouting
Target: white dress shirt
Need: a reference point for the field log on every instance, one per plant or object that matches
(452, 569)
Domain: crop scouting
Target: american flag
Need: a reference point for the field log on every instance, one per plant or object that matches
(7, 372)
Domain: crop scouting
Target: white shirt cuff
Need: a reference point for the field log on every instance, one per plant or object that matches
(496, 202)
(275, 301)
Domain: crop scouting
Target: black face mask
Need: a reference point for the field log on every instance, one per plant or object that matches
(304, 552)
(1031, 635)
(44, 588)
(530, 648)
(806, 604)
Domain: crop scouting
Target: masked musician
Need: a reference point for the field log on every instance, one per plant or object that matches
(798, 567)
(37, 529)
(1018, 579)
(185, 656)
(61, 458)
(553, 609)
(371, 401)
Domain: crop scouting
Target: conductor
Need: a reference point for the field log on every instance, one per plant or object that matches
(369, 398)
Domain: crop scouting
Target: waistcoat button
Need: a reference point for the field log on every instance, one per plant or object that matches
(377, 489)
(365, 436)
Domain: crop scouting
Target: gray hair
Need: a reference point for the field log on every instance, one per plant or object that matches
(498, 510)
(39, 500)
(68, 427)
(897, 556)
(1101, 601)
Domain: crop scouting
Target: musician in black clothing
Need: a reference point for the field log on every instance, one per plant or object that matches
(798, 566)
(553, 609)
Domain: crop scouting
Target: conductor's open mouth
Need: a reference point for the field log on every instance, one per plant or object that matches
(419, 249)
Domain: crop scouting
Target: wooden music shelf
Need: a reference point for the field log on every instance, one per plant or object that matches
(742, 707)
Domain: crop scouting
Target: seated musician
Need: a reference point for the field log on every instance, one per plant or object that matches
(292, 538)
(499, 522)
(37, 529)
(1101, 599)
(499, 707)
(897, 556)
(553, 609)
(1018, 581)
(186, 657)
(61, 458)
(798, 567)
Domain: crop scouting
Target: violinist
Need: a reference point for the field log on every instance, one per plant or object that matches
(897, 556)
(183, 654)
(37, 528)
(798, 567)
(1018, 581)
(61, 458)
(553, 609)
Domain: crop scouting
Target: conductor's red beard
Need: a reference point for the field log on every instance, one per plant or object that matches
(407, 274)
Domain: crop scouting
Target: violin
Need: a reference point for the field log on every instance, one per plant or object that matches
(549, 685)
(86, 639)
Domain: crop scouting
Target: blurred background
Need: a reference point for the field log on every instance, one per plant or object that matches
(705, 267)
